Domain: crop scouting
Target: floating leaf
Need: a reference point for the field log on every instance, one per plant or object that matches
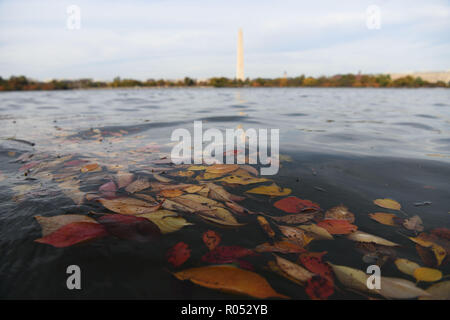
(352, 278)
(388, 204)
(366, 237)
(317, 232)
(178, 254)
(138, 185)
(340, 213)
(91, 167)
(128, 205)
(130, 227)
(406, 266)
(414, 223)
(337, 226)
(314, 263)
(161, 178)
(383, 218)
(280, 246)
(219, 193)
(438, 291)
(197, 168)
(443, 233)
(226, 254)
(51, 224)
(222, 168)
(294, 270)
(193, 189)
(427, 274)
(211, 239)
(230, 279)
(295, 205)
(108, 190)
(242, 180)
(272, 190)
(266, 226)
(438, 251)
(200, 200)
(124, 179)
(295, 235)
(319, 288)
(73, 233)
(220, 216)
(399, 289)
(167, 221)
(294, 218)
(171, 193)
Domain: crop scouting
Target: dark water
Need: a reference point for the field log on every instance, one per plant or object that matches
(338, 146)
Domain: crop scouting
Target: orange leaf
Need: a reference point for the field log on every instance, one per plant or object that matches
(295, 205)
(337, 226)
(230, 279)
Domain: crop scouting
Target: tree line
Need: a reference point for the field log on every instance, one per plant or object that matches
(344, 80)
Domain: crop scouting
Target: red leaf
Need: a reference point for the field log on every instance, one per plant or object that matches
(73, 233)
(337, 226)
(211, 239)
(314, 263)
(130, 227)
(319, 288)
(178, 254)
(226, 254)
(441, 233)
(75, 163)
(295, 205)
(29, 165)
(108, 190)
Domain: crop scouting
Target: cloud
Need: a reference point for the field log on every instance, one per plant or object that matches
(171, 39)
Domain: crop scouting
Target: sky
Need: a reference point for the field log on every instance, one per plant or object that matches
(172, 39)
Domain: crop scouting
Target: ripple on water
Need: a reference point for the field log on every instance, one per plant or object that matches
(416, 125)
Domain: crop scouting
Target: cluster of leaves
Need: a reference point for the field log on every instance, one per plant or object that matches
(146, 206)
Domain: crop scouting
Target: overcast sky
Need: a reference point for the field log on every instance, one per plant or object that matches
(172, 39)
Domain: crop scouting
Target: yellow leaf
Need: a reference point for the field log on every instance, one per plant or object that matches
(222, 168)
(388, 204)
(167, 221)
(197, 168)
(366, 237)
(383, 218)
(438, 251)
(90, 167)
(427, 274)
(188, 173)
(317, 232)
(128, 205)
(230, 279)
(171, 193)
(272, 190)
(242, 180)
(294, 270)
(406, 266)
(193, 189)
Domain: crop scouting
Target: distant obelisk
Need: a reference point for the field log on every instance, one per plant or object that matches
(240, 57)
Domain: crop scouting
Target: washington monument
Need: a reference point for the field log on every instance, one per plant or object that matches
(240, 57)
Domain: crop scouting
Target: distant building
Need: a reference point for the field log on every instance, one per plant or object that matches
(427, 76)
(240, 57)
